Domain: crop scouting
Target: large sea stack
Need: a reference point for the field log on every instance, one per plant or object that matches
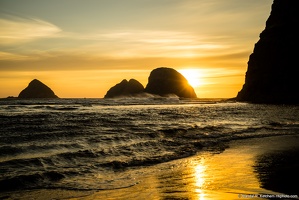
(273, 69)
(125, 88)
(37, 89)
(166, 81)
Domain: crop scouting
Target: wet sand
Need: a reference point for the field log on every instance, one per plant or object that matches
(258, 168)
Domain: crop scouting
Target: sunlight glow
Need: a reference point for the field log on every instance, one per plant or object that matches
(200, 179)
(199, 170)
(194, 76)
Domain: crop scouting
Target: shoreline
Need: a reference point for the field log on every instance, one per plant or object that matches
(239, 172)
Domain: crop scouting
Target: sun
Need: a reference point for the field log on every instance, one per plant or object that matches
(193, 76)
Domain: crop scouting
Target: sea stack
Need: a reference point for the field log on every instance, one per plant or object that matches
(167, 81)
(272, 74)
(37, 89)
(125, 88)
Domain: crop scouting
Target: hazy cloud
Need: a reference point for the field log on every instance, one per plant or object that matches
(142, 43)
(16, 30)
(12, 56)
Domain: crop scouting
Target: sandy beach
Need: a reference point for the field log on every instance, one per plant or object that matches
(259, 168)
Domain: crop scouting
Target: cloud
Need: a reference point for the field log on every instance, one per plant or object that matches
(12, 56)
(143, 43)
(16, 30)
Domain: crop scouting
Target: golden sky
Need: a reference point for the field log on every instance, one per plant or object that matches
(82, 48)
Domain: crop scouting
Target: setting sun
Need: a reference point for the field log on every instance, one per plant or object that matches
(193, 76)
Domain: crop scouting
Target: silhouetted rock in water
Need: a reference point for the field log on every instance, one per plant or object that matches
(272, 75)
(37, 89)
(165, 81)
(125, 88)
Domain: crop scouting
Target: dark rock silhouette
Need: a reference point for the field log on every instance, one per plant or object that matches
(125, 88)
(272, 75)
(165, 81)
(37, 89)
(274, 170)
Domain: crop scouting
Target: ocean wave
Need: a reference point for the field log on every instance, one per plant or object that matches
(62, 143)
(62, 108)
(30, 181)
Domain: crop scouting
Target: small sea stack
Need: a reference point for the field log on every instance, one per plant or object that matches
(36, 89)
(272, 74)
(125, 88)
(167, 81)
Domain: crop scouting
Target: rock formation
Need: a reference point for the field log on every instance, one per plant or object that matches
(125, 88)
(272, 75)
(164, 81)
(37, 89)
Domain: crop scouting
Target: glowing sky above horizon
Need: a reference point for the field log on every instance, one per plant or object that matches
(82, 48)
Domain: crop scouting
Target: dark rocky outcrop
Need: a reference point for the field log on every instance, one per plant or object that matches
(37, 89)
(165, 81)
(273, 69)
(274, 170)
(125, 88)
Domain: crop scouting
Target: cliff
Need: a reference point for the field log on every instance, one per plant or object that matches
(272, 74)
(37, 89)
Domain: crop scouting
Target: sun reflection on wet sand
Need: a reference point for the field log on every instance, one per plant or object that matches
(225, 175)
(199, 176)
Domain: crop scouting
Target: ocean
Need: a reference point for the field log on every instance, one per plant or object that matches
(97, 144)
